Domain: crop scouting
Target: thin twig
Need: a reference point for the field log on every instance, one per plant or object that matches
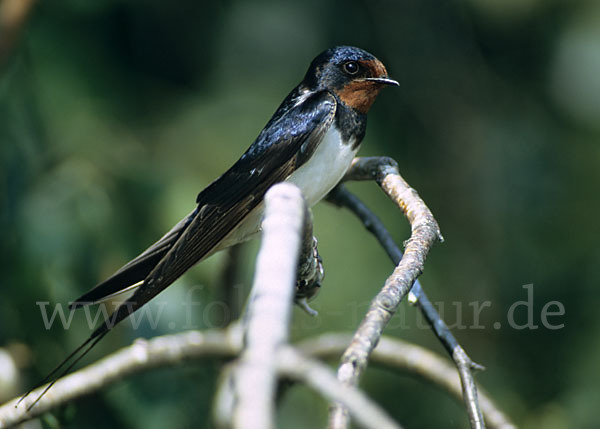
(372, 223)
(463, 362)
(270, 307)
(397, 354)
(425, 232)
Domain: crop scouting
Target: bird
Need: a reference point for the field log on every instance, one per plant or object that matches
(310, 141)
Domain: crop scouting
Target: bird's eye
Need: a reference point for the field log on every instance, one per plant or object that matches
(351, 68)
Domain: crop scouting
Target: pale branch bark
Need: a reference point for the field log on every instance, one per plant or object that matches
(425, 232)
(372, 223)
(140, 356)
(320, 377)
(397, 354)
(224, 398)
(270, 307)
(308, 281)
(271, 312)
(294, 365)
(171, 350)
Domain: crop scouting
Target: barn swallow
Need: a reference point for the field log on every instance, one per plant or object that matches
(310, 141)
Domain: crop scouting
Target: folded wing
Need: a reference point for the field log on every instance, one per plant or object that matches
(281, 148)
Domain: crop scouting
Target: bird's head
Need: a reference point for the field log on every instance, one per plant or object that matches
(354, 75)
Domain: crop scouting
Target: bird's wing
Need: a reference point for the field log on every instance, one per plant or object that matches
(287, 142)
(136, 270)
(279, 150)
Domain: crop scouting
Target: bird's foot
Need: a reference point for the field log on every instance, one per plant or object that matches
(310, 277)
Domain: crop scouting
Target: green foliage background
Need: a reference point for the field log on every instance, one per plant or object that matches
(115, 114)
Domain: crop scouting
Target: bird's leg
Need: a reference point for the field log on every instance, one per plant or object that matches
(310, 271)
(309, 279)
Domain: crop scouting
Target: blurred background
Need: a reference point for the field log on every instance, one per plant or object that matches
(115, 114)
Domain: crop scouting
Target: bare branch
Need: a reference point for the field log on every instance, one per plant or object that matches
(171, 350)
(384, 171)
(464, 364)
(398, 354)
(224, 398)
(425, 232)
(268, 319)
(269, 309)
(142, 355)
(372, 223)
(320, 377)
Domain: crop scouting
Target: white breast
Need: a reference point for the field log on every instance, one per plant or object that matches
(325, 168)
(315, 178)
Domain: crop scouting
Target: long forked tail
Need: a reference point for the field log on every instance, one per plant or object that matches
(66, 365)
(161, 276)
(123, 311)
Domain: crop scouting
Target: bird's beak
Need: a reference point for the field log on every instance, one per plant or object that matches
(382, 80)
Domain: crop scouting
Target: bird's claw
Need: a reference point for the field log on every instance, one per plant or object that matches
(310, 277)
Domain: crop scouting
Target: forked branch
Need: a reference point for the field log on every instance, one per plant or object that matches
(425, 232)
(417, 296)
(267, 324)
(262, 337)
